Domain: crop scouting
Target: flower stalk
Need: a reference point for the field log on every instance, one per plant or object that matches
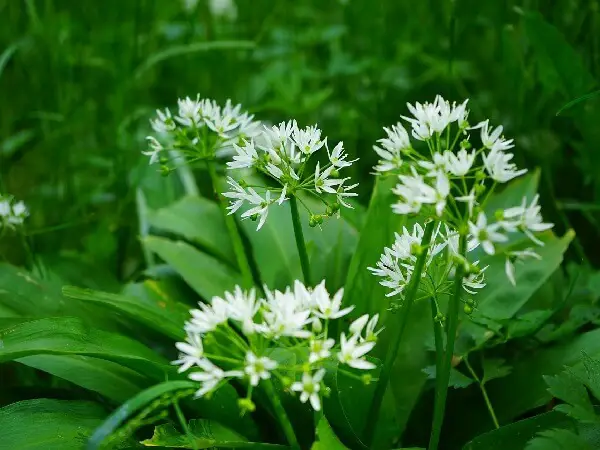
(232, 229)
(443, 376)
(392, 352)
(300, 243)
(281, 415)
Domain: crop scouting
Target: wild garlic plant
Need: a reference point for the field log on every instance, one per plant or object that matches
(284, 336)
(282, 153)
(446, 180)
(203, 131)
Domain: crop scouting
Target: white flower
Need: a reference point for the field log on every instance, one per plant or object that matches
(258, 368)
(320, 349)
(284, 315)
(528, 218)
(208, 317)
(485, 234)
(155, 149)
(459, 164)
(223, 8)
(308, 139)
(337, 157)
(499, 168)
(278, 137)
(436, 167)
(491, 138)
(344, 191)
(391, 148)
(409, 190)
(164, 122)
(470, 199)
(358, 325)
(239, 195)
(246, 156)
(191, 350)
(352, 352)
(5, 208)
(474, 280)
(436, 195)
(261, 209)
(189, 112)
(328, 308)
(211, 376)
(309, 388)
(322, 181)
(517, 256)
(242, 307)
(275, 171)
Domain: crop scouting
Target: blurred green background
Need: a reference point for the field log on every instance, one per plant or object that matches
(79, 80)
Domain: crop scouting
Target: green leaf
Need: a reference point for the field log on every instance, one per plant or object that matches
(568, 388)
(557, 439)
(516, 435)
(577, 101)
(46, 424)
(499, 300)
(70, 336)
(512, 195)
(206, 434)
(198, 220)
(525, 383)
(109, 379)
(559, 65)
(592, 374)
(326, 438)
(457, 379)
(494, 368)
(206, 275)
(165, 315)
(159, 393)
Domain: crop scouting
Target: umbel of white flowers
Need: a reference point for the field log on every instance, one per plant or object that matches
(201, 130)
(284, 335)
(445, 178)
(282, 153)
(12, 213)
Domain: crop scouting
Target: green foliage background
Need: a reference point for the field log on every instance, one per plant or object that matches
(78, 82)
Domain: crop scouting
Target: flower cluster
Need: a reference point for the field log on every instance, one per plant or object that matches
(282, 153)
(284, 335)
(12, 213)
(450, 181)
(201, 130)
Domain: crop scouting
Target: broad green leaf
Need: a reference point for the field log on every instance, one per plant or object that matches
(326, 438)
(500, 300)
(494, 368)
(525, 382)
(221, 407)
(591, 378)
(206, 275)
(516, 435)
(568, 388)
(199, 220)
(70, 336)
(45, 424)
(577, 101)
(207, 434)
(558, 439)
(166, 316)
(109, 379)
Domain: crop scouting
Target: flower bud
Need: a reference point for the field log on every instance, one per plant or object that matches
(499, 215)
(335, 173)
(312, 222)
(246, 405)
(366, 379)
(165, 170)
(286, 381)
(468, 309)
(163, 160)
(465, 144)
(243, 183)
(335, 207)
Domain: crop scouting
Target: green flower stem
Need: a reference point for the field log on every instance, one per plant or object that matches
(394, 344)
(488, 403)
(439, 337)
(281, 415)
(232, 229)
(300, 241)
(443, 376)
(184, 425)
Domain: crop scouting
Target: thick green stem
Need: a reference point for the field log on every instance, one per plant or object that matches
(300, 241)
(439, 337)
(281, 415)
(443, 376)
(392, 352)
(232, 229)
